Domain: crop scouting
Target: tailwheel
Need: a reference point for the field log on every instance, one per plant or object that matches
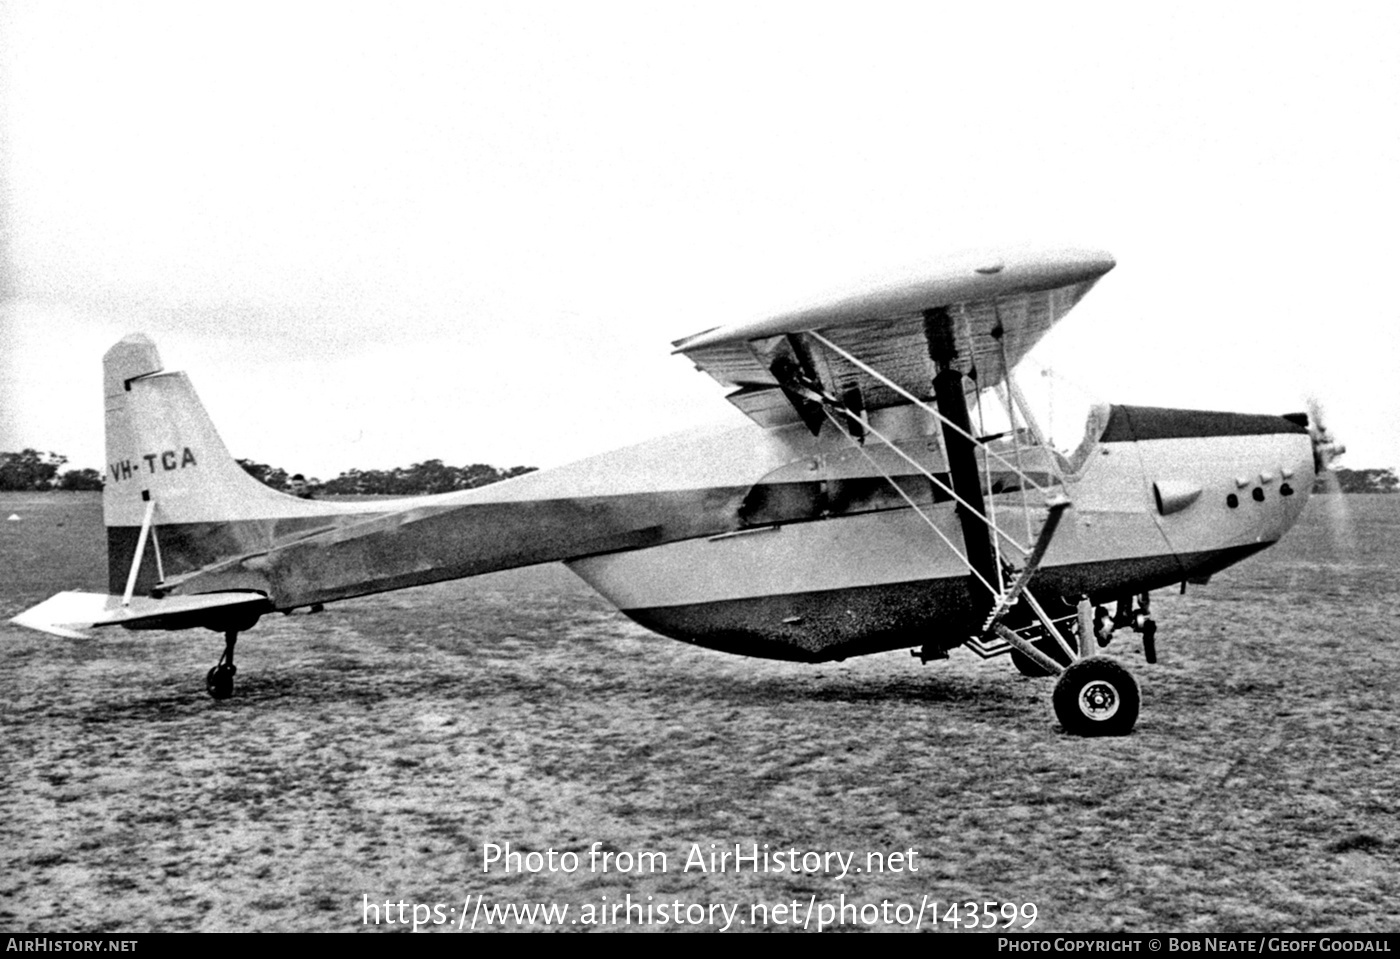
(219, 681)
(1097, 697)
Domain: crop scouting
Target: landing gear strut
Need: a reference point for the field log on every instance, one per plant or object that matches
(219, 682)
(1139, 620)
(1028, 667)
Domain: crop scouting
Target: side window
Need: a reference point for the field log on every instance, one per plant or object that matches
(867, 494)
(770, 503)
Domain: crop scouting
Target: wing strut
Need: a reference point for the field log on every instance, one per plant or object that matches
(1008, 599)
(962, 454)
(982, 537)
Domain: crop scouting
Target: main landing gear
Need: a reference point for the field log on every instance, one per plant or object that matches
(219, 682)
(1094, 695)
(1138, 619)
(1028, 627)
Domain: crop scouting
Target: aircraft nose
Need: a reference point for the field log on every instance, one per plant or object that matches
(1224, 481)
(1297, 475)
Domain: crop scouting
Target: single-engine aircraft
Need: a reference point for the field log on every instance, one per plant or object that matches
(861, 510)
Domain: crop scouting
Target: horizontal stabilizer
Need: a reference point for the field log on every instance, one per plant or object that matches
(67, 614)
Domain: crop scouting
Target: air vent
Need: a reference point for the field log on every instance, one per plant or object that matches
(1173, 496)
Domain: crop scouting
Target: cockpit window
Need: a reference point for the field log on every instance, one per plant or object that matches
(1094, 426)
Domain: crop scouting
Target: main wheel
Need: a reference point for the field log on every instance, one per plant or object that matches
(219, 682)
(1097, 697)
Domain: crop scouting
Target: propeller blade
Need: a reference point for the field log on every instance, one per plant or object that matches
(1326, 451)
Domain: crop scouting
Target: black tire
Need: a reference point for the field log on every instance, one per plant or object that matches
(1097, 697)
(1029, 667)
(219, 682)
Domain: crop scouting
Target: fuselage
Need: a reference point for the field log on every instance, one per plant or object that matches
(775, 542)
(833, 563)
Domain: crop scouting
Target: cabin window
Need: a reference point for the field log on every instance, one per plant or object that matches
(771, 503)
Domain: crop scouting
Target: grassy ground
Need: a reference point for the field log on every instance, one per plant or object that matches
(373, 750)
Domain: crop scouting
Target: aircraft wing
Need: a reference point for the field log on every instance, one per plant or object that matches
(67, 614)
(1000, 306)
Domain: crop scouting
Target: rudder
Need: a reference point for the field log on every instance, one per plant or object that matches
(163, 449)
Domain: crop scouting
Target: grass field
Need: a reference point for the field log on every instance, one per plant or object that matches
(373, 750)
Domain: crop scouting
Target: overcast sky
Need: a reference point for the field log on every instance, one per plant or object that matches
(375, 234)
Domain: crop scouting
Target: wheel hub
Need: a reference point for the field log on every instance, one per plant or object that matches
(1098, 700)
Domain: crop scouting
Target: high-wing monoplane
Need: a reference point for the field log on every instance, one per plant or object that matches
(863, 508)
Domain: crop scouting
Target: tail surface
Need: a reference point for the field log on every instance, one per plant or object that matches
(181, 515)
(167, 469)
(162, 446)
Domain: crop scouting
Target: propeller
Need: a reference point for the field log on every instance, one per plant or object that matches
(1326, 451)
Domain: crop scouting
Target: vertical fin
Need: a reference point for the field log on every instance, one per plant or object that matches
(162, 449)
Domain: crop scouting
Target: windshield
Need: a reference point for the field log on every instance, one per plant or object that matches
(1094, 425)
(1068, 418)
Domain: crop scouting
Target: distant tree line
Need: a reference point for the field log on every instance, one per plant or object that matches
(32, 470)
(430, 476)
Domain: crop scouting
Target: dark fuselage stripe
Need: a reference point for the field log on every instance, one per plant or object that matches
(1127, 424)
